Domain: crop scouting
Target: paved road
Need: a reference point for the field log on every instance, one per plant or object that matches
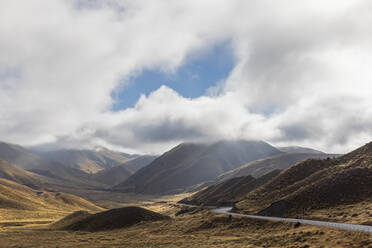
(349, 227)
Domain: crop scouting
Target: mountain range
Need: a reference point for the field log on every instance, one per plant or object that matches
(191, 163)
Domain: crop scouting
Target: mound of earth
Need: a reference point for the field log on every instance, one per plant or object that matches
(108, 220)
(70, 219)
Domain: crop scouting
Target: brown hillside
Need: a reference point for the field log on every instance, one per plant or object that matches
(315, 184)
(20, 197)
(110, 219)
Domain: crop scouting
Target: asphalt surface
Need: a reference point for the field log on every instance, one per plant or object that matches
(343, 226)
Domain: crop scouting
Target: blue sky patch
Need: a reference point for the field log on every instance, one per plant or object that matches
(190, 80)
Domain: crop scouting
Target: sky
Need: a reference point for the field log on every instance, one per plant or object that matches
(142, 76)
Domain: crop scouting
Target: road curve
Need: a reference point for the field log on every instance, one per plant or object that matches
(349, 227)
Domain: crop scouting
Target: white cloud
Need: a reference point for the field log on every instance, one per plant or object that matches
(302, 74)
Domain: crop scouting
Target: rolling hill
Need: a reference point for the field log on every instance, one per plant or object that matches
(228, 192)
(12, 173)
(14, 196)
(191, 163)
(314, 184)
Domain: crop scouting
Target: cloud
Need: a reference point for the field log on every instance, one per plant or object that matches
(302, 73)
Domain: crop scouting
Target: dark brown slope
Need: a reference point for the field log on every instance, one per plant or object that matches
(315, 184)
(189, 164)
(108, 220)
(228, 192)
(90, 161)
(278, 162)
(30, 161)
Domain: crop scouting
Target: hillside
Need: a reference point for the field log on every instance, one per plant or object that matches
(113, 175)
(108, 220)
(117, 174)
(139, 162)
(228, 192)
(12, 173)
(89, 161)
(190, 163)
(58, 175)
(315, 184)
(14, 196)
(263, 166)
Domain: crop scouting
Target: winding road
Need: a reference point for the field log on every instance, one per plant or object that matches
(349, 227)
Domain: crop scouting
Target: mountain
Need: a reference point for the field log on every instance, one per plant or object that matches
(120, 173)
(59, 175)
(260, 167)
(314, 184)
(192, 163)
(14, 196)
(89, 161)
(228, 192)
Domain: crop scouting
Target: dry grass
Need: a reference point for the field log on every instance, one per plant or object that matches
(201, 229)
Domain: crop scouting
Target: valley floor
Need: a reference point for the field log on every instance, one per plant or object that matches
(198, 228)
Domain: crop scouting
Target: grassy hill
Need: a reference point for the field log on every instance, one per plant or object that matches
(189, 164)
(315, 184)
(21, 202)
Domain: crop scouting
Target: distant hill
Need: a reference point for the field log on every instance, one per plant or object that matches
(139, 162)
(191, 163)
(89, 161)
(120, 173)
(263, 166)
(314, 184)
(107, 220)
(299, 149)
(113, 175)
(61, 175)
(14, 196)
(228, 192)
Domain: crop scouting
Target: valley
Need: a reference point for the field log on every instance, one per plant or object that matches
(142, 201)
